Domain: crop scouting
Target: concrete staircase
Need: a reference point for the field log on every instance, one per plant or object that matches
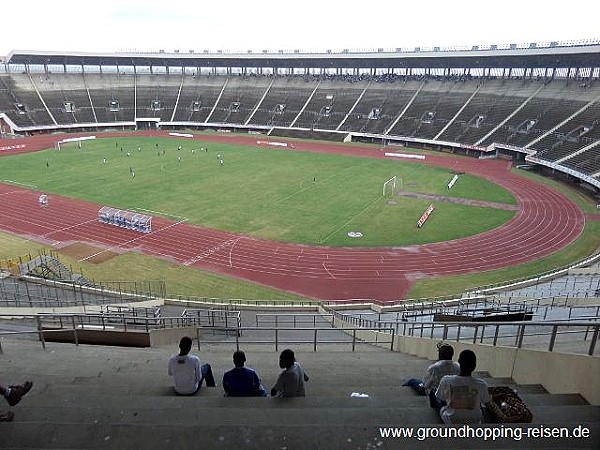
(121, 398)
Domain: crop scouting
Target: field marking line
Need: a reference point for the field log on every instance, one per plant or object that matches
(161, 213)
(69, 227)
(314, 183)
(32, 186)
(212, 250)
(130, 241)
(231, 251)
(327, 270)
(326, 238)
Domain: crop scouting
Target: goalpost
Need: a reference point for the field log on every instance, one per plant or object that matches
(390, 186)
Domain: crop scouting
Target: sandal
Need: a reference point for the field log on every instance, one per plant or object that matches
(6, 416)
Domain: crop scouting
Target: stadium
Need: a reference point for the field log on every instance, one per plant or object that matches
(367, 192)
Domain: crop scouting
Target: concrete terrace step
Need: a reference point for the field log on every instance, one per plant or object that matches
(565, 413)
(192, 435)
(117, 398)
(53, 393)
(262, 411)
(552, 399)
(271, 412)
(65, 396)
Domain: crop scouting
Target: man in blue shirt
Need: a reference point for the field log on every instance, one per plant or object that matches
(242, 381)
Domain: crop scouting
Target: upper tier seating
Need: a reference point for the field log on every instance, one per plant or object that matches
(556, 118)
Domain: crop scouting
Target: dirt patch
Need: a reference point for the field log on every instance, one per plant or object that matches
(462, 201)
(94, 255)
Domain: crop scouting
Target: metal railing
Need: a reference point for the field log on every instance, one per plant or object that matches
(295, 319)
(217, 319)
(191, 302)
(113, 321)
(579, 330)
(311, 336)
(42, 293)
(276, 336)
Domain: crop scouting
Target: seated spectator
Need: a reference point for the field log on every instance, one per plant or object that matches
(463, 393)
(13, 395)
(187, 370)
(242, 381)
(435, 372)
(290, 382)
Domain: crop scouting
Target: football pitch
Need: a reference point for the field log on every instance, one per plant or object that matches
(278, 194)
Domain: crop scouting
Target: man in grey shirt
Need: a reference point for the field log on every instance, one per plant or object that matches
(290, 382)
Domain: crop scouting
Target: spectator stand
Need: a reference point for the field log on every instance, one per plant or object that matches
(125, 219)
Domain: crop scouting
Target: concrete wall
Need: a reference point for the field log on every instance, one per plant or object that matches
(168, 336)
(171, 336)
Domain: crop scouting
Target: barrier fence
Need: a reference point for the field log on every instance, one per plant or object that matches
(581, 334)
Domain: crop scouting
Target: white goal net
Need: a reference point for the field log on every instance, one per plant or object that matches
(389, 187)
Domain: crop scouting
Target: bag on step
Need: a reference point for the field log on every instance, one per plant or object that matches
(507, 407)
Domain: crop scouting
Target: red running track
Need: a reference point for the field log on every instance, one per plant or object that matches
(545, 222)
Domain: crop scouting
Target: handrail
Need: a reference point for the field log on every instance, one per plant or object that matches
(478, 329)
(314, 341)
(237, 331)
(293, 316)
(188, 300)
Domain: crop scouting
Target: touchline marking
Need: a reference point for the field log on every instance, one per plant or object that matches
(162, 213)
(130, 241)
(20, 184)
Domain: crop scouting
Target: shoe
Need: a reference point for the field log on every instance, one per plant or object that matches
(6, 416)
(17, 392)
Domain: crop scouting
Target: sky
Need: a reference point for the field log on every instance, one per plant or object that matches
(309, 25)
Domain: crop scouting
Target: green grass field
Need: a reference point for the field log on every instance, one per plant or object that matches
(283, 195)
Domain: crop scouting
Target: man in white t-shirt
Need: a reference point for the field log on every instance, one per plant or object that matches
(464, 394)
(187, 370)
(444, 366)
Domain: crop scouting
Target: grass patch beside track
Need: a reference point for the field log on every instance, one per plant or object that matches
(131, 266)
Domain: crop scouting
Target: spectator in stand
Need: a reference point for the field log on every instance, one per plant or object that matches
(13, 395)
(464, 394)
(435, 372)
(290, 382)
(242, 381)
(187, 370)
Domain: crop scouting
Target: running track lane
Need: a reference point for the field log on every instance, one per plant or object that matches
(546, 222)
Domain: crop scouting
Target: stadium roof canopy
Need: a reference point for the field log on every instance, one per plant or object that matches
(553, 55)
